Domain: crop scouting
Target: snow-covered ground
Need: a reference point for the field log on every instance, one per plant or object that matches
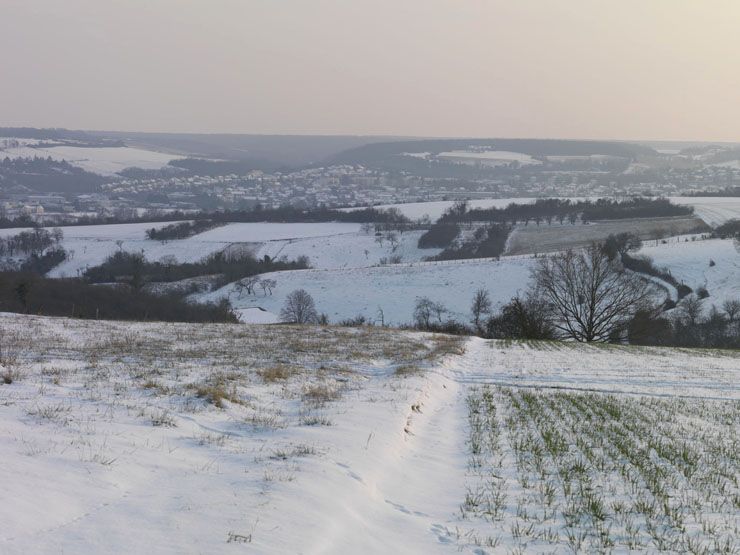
(346, 293)
(172, 438)
(104, 161)
(90, 245)
(713, 210)
(434, 209)
(690, 262)
(558, 237)
(348, 250)
(489, 157)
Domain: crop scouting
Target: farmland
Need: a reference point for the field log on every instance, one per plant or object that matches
(228, 437)
(394, 289)
(548, 238)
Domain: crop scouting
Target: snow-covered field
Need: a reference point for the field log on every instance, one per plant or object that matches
(689, 262)
(434, 209)
(713, 210)
(348, 250)
(171, 438)
(91, 245)
(488, 157)
(104, 161)
(346, 293)
(557, 237)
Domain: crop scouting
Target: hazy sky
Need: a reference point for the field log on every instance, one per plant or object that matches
(641, 69)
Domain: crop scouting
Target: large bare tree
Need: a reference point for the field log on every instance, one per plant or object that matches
(299, 308)
(591, 296)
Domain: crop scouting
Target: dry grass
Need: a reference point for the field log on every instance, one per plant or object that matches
(278, 373)
(321, 393)
(405, 370)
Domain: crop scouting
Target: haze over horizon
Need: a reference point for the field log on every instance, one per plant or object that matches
(633, 70)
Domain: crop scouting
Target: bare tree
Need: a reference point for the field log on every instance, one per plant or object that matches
(732, 309)
(439, 311)
(392, 238)
(299, 308)
(267, 286)
(481, 306)
(247, 284)
(591, 296)
(381, 316)
(423, 312)
(691, 308)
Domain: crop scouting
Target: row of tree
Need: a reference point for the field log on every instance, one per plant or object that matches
(561, 210)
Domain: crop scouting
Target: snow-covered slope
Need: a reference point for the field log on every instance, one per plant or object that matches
(172, 438)
(690, 262)
(91, 245)
(346, 293)
(104, 161)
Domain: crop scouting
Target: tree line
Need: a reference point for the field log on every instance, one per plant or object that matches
(134, 269)
(562, 210)
(30, 293)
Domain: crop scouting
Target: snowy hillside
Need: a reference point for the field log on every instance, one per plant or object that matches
(346, 293)
(91, 245)
(713, 210)
(690, 262)
(104, 161)
(172, 438)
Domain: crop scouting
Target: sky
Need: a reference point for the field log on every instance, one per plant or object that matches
(599, 69)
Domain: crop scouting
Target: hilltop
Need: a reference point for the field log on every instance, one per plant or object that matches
(284, 439)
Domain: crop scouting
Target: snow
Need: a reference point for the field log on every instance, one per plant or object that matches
(256, 316)
(107, 448)
(346, 293)
(105, 160)
(688, 261)
(261, 232)
(348, 250)
(90, 245)
(434, 209)
(713, 210)
(490, 157)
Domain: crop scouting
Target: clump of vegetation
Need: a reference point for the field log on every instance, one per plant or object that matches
(217, 389)
(277, 373)
(487, 242)
(181, 230)
(440, 236)
(136, 270)
(30, 293)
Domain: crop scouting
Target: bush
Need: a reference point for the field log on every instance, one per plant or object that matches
(181, 230)
(528, 318)
(439, 236)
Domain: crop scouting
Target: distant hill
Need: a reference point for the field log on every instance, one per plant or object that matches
(268, 150)
(381, 152)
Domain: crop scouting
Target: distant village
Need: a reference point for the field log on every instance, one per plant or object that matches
(347, 186)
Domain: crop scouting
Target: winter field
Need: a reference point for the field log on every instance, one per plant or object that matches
(691, 263)
(713, 210)
(327, 245)
(394, 289)
(171, 438)
(534, 238)
(343, 293)
(104, 161)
